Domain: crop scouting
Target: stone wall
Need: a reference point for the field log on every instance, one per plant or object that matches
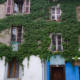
(2, 10)
(5, 37)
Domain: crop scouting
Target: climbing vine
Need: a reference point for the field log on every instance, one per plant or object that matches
(37, 28)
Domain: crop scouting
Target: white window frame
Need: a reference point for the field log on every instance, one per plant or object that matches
(56, 42)
(55, 14)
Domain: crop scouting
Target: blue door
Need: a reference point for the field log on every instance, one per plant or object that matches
(71, 72)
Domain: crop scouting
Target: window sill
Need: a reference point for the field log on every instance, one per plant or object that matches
(13, 79)
(17, 14)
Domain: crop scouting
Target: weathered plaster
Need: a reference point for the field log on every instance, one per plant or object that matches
(5, 37)
(2, 10)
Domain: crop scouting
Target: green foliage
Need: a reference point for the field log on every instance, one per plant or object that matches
(2, 1)
(37, 27)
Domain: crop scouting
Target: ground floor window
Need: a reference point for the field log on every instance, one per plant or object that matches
(57, 73)
(13, 69)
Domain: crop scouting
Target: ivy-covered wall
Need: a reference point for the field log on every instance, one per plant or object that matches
(37, 28)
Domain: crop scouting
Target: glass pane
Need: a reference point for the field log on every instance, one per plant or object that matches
(59, 37)
(53, 17)
(59, 48)
(53, 10)
(58, 17)
(59, 43)
(54, 42)
(13, 34)
(58, 10)
(53, 39)
(13, 38)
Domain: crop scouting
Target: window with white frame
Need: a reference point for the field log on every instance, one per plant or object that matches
(55, 13)
(17, 6)
(57, 42)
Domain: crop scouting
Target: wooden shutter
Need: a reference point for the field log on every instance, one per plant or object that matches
(27, 6)
(14, 67)
(9, 66)
(19, 34)
(54, 42)
(9, 7)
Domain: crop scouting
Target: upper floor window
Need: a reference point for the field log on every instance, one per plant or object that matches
(78, 13)
(16, 34)
(55, 13)
(13, 69)
(18, 6)
(57, 42)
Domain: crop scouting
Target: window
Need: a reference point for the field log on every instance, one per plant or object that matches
(55, 13)
(13, 69)
(16, 34)
(57, 42)
(78, 13)
(17, 6)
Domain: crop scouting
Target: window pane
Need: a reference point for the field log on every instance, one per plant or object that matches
(59, 43)
(13, 34)
(59, 48)
(53, 39)
(53, 10)
(59, 39)
(53, 17)
(58, 10)
(58, 17)
(54, 42)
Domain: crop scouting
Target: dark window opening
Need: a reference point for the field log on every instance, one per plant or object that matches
(57, 42)
(19, 34)
(57, 73)
(13, 34)
(13, 69)
(18, 6)
(16, 34)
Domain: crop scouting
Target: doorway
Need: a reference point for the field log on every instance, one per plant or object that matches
(57, 72)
